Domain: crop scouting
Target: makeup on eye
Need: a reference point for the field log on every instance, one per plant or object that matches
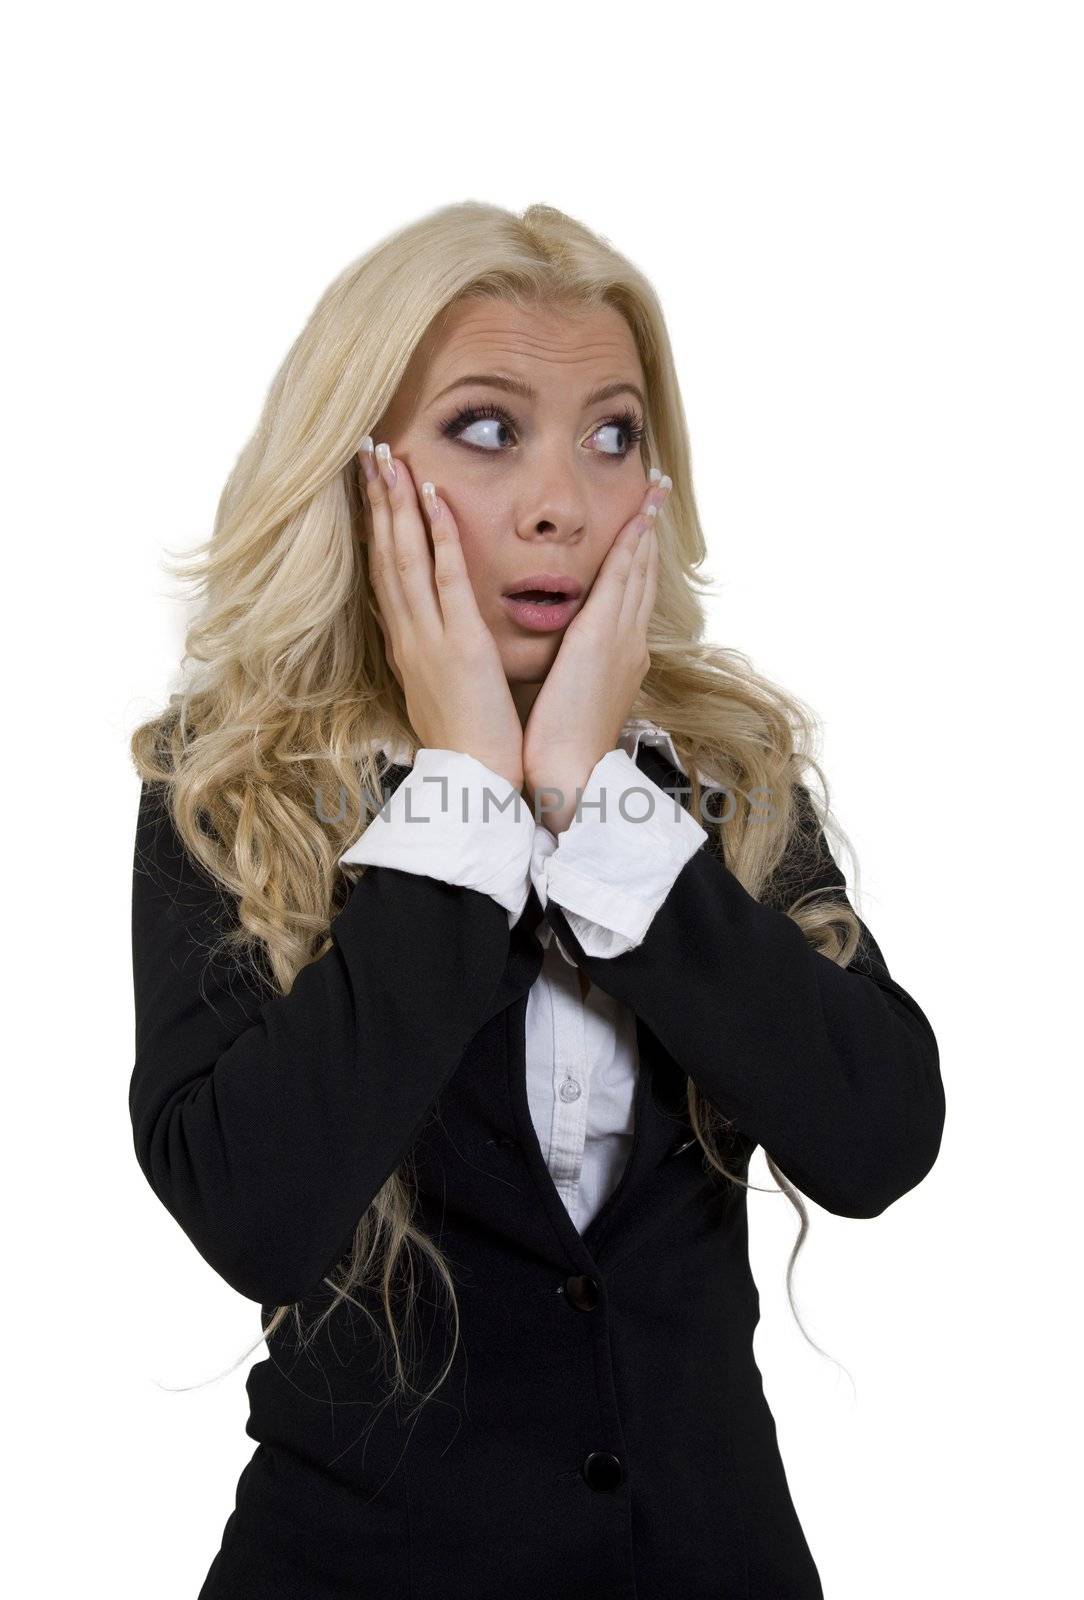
(626, 421)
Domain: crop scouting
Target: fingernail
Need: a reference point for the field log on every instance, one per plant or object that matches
(385, 462)
(654, 474)
(368, 465)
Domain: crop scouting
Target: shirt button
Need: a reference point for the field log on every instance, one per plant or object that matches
(570, 1090)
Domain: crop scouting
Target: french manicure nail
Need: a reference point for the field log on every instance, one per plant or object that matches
(368, 465)
(385, 462)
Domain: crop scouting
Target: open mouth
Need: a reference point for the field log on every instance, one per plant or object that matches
(541, 609)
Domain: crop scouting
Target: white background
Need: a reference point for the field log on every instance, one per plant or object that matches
(864, 223)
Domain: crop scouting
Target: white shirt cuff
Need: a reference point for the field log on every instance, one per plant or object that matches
(454, 819)
(614, 865)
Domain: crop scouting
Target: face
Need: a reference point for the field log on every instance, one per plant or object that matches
(537, 483)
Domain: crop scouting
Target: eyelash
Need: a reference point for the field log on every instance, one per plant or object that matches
(626, 420)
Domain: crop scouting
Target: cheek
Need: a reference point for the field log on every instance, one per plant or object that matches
(626, 505)
(480, 543)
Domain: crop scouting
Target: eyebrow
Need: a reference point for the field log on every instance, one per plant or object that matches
(520, 387)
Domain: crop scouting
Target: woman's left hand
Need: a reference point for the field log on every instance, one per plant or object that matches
(579, 712)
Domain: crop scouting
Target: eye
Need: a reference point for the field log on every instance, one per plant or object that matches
(628, 424)
(491, 420)
(492, 425)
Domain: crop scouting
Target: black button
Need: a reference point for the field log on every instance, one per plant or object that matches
(602, 1470)
(582, 1292)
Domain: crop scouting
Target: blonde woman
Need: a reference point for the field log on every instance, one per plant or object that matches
(480, 935)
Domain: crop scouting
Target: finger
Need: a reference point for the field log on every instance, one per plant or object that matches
(646, 608)
(634, 587)
(455, 592)
(364, 463)
(642, 587)
(613, 577)
(383, 572)
(389, 650)
(410, 546)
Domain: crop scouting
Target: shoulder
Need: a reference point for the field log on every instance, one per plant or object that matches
(165, 870)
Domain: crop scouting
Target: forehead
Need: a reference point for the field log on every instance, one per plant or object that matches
(552, 347)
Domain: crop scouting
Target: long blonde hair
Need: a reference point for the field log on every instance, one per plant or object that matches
(287, 691)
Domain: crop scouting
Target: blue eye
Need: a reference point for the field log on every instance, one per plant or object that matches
(501, 424)
(474, 416)
(629, 427)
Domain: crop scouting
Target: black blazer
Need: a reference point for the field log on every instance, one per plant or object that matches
(603, 1432)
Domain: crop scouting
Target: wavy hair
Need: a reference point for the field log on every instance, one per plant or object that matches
(287, 693)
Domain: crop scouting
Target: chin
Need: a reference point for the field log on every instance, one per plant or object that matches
(528, 660)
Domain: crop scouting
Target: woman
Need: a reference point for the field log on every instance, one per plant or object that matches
(487, 1041)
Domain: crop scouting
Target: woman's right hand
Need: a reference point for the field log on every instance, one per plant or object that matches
(439, 645)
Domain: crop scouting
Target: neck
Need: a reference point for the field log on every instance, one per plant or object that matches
(524, 696)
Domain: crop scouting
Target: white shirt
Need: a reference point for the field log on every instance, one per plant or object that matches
(610, 870)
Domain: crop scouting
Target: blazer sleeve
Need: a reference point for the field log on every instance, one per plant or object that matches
(267, 1123)
(835, 1071)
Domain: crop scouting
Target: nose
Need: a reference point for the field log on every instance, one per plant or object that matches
(557, 512)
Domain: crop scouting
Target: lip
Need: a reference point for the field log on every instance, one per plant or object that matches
(538, 618)
(558, 582)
